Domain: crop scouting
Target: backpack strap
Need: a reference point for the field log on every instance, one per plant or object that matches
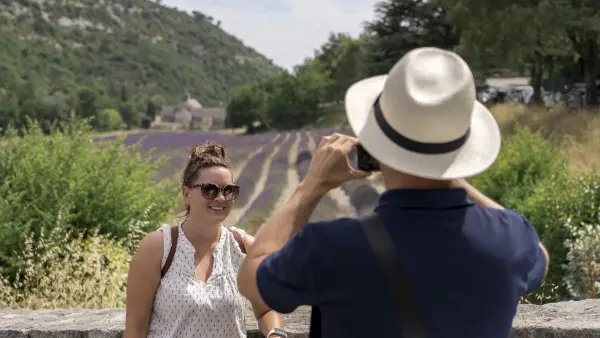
(394, 275)
(238, 239)
(174, 235)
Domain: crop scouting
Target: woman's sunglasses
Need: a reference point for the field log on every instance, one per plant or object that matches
(211, 191)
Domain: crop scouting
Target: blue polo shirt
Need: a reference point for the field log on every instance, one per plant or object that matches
(469, 265)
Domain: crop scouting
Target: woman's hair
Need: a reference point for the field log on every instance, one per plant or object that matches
(203, 156)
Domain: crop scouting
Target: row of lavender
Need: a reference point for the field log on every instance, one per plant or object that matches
(173, 140)
(177, 145)
(327, 208)
(251, 173)
(276, 181)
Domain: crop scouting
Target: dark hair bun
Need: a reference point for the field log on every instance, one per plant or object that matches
(208, 149)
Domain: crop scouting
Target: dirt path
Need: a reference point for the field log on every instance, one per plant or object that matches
(239, 168)
(292, 173)
(237, 213)
(344, 206)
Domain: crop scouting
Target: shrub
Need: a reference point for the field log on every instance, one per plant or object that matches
(58, 270)
(86, 185)
(561, 209)
(109, 119)
(523, 178)
(531, 177)
(526, 160)
(582, 277)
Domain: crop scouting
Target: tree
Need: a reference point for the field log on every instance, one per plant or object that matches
(402, 25)
(534, 32)
(493, 36)
(247, 106)
(581, 20)
(88, 103)
(151, 109)
(342, 58)
(109, 119)
(131, 115)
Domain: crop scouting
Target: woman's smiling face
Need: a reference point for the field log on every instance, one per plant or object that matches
(211, 194)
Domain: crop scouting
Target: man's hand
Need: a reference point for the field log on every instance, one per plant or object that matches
(330, 166)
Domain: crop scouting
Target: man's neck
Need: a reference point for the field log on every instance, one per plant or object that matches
(397, 180)
(402, 181)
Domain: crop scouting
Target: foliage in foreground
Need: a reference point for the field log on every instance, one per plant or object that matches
(58, 270)
(66, 180)
(531, 176)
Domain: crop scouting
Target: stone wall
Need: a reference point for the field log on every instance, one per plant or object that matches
(579, 319)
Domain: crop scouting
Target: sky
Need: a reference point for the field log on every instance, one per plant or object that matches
(285, 31)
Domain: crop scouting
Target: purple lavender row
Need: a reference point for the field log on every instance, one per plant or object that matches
(175, 164)
(250, 175)
(150, 140)
(237, 155)
(276, 180)
(251, 172)
(239, 152)
(327, 208)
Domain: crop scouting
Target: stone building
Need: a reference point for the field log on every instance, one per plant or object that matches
(190, 114)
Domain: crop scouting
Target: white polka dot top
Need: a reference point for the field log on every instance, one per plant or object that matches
(187, 307)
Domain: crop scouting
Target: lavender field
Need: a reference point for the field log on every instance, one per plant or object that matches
(267, 167)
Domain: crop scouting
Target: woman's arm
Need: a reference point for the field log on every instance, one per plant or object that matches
(142, 282)
(267, 318)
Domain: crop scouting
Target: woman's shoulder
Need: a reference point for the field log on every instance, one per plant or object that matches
(245, 237)
(151, 247)
(154, 243)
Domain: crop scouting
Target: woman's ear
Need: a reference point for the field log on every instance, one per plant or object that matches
(185, 192)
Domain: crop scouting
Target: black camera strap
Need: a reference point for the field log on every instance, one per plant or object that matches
(395, 276)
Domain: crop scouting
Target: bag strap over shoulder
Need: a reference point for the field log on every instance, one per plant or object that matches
(174, 235)
(395, 276)
(238, 239)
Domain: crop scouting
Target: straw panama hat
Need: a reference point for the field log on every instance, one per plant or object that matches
(423, 119)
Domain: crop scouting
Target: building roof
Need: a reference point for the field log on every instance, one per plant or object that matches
(194, 107)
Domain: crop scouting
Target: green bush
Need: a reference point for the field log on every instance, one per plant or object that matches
(58, 270)
(109, 119)
(66, 180)
(525, 161)
(582, 277)
(560, 209)
(532, 177)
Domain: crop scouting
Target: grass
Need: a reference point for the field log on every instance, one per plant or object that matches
(575, 132)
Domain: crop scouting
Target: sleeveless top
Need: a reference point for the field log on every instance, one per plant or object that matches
(184, 306)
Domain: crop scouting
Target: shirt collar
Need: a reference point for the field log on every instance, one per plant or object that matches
(425, 198)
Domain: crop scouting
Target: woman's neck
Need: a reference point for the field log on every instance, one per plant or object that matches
(201, 233)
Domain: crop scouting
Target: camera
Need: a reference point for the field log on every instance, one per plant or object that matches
(364, 161)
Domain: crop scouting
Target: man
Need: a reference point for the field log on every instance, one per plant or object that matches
(468, 260)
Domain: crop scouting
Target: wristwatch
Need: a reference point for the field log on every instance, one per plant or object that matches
(277, 332)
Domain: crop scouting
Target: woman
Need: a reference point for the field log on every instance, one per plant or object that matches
(198, 294)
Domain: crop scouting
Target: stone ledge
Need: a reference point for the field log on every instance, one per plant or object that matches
(573, 319)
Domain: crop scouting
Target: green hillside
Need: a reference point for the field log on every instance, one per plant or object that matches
(121, 51)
